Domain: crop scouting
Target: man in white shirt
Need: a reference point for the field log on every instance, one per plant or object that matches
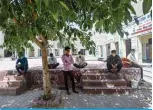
(134, 63)
(52, 62)
(80, 61)
(131, 56)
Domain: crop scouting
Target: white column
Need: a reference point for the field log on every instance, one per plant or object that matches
(112, 46)
(27, 53)
(98, 54)
(104, 51)
(139, 51)
(36, 51)
(122, 48)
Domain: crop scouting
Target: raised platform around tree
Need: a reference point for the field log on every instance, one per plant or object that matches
(92, 79)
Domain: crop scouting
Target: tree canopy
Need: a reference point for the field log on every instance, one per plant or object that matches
(23, 20)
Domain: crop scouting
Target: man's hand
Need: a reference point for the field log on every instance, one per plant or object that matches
(18, 65)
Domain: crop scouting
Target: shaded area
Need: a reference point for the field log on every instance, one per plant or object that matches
(137, 99)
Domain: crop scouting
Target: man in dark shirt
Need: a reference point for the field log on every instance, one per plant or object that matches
(114, 63)
(21, 64)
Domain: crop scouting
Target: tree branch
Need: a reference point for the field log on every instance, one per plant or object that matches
(38, 43)
(42, 38)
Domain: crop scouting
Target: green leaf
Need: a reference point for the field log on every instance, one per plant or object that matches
(128, 15)
(147, 4)
(120, 32)
(116, 3)
(38, 3)
(125, 21)
(118, 15)
(99, 24)
(64, 5)
(46, 3)
(55, 16)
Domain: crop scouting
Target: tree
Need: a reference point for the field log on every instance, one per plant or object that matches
(38, 21)
(147, 4)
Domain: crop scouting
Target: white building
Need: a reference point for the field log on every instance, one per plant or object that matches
(36, 52)
(140, 38)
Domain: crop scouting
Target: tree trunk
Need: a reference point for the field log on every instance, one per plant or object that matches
(46, 75)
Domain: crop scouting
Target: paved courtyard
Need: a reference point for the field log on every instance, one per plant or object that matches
(138, 99)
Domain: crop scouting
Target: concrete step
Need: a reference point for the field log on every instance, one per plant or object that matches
(4, 83)
(18, 83)
(106, 90)
(11, 72)
(2, 74)
(99, 76)
(14, 83)
(11, 90)
(95, 71)
(13, 77)
(9, 77)
(104, 83)
(19, 77)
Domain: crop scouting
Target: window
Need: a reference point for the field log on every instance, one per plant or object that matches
(31, 53)
(83, 51)
(39, 52)
(74, 52)
(101, 49)
(56, 52)
(117, 47)
(150, 41)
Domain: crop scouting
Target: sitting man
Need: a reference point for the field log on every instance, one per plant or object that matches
(52, 62)
(80, 61)
(114, 63)
(21, 64)
(134, 63)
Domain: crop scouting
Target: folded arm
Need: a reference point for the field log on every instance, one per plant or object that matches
(64, 61)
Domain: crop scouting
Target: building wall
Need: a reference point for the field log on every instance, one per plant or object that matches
(53, 48)
(138, 7)
(104, 40)
(146, 47)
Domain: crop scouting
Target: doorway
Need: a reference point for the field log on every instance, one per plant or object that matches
(128, 46)
(108, 49)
